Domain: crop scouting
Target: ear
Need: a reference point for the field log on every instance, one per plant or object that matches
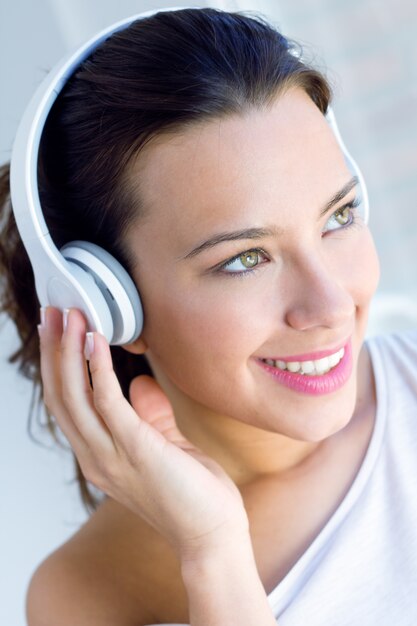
(139, 346)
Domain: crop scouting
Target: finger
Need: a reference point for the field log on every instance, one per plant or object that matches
(151, 403)
(129, 431)
(76, 390)
(50, 361)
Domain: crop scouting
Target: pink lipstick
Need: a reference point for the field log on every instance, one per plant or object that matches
(314, 385)
(311, 356)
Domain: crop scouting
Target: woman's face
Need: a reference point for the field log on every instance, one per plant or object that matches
(303, 285)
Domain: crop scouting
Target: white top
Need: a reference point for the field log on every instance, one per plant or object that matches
(361, 569)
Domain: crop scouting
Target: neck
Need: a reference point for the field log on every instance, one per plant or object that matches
(245, 452)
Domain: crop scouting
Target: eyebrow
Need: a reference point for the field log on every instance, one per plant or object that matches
(259, 233)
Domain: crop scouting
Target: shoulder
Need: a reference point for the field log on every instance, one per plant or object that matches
(394, 362)
(396, 351)
(397, 341)
(115, 570)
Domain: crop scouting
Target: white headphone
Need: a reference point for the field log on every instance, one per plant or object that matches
(81, 274)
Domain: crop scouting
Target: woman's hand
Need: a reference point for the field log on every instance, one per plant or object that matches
(135, 452)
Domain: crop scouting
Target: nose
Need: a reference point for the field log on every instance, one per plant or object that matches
(319, 296)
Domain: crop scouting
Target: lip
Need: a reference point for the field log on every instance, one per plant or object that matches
(314, 385)
(309, 356)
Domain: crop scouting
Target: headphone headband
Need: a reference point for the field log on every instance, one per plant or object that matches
(26, 145)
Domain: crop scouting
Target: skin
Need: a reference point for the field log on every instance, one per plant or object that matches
(214, 422)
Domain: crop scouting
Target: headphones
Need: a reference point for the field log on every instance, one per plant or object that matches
(81, 274)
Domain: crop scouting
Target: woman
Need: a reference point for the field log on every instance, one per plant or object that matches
(240, 440)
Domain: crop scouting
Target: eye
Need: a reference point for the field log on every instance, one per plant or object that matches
(346, 216)
(243, 263)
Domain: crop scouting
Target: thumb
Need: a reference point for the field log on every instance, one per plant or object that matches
(153, 406)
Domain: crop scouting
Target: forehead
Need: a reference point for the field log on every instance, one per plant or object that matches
(234, 170)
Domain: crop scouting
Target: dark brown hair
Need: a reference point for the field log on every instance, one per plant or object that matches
(160, 75)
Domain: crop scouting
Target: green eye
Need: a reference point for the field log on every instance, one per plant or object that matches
(246, 261)
(249, 259)
(343, 214)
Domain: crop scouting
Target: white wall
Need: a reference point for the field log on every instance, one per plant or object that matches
(39, 509)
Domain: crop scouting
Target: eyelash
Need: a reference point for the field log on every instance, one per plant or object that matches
(352, 224)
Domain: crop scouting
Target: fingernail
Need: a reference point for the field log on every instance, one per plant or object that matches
(89, 345)
(40, 329)
(65, 318)
(43, 316)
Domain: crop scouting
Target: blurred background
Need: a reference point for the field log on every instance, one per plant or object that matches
(370, 50)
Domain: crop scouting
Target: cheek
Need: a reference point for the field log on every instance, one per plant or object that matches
(203, 341)
(204, 328)
(363, 269)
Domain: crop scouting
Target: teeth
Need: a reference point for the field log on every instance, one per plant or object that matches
(335, 358)
(294, 366)
(322, 365)
(309, 368)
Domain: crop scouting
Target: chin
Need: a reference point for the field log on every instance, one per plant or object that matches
(320, 422)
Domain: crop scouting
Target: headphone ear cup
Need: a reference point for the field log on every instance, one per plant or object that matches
(115, 286)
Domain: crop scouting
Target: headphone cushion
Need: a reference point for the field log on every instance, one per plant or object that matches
(116, 285)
